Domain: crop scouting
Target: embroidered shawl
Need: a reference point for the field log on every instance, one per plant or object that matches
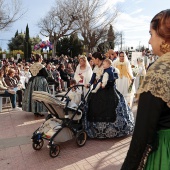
(35, 68)
(157, 79)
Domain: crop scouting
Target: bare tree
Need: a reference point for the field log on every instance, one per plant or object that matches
(87, 16)
(60, 21)
(9, 13)
(119, 40)
(95, 21)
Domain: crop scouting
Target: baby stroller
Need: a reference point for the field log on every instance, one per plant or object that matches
(63, 122)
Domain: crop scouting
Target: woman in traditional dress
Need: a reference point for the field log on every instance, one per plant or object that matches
(140, 74)
(125, 79)
(37, 82)
(83, 72)
(108, 114)
(151, 138)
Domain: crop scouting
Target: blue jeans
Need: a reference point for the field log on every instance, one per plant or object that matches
(12, 97)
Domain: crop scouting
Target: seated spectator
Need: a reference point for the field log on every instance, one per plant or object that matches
(50, 78)
(6, 91)
(13, 82)
(25, 75)
(5, 68)
(70, 70)
(57, 77)
(63, 74)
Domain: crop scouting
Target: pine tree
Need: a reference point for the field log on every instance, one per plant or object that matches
(16, 34)
(111, 37)
(27, 45)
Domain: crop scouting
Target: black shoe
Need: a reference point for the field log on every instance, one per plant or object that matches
(38, 114)
(41, 115)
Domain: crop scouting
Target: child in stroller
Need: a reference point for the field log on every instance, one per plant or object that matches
(62, 124)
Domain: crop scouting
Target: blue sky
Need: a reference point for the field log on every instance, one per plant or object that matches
(133, 20)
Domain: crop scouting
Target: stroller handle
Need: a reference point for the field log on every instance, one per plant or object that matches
(75, 86)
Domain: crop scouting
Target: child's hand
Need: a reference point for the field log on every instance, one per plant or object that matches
(102, 86)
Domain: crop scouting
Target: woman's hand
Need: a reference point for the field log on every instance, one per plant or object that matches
(87, 85)
(20, 86)
(81, 76)
(10, 88)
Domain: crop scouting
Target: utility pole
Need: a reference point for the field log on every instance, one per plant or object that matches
(121, 41)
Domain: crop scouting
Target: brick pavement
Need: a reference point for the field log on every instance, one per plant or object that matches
(16, 152)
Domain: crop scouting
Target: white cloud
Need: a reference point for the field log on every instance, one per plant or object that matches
(136, 12)
(135, 28)
(137, 2)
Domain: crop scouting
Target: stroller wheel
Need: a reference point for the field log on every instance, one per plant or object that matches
(37, 144)
(54, 150)
(81, 138)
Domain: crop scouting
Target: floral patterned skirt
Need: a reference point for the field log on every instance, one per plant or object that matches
(124, 124)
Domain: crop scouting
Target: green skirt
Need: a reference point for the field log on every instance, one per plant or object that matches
(160, 159)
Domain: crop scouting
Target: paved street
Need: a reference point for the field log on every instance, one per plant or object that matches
(16, 152)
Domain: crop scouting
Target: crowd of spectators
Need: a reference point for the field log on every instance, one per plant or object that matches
(16, 74)
(60, 70)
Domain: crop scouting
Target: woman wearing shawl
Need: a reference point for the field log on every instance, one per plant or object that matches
(83, 72)
(150, 145)
(108, 114)
(37, 82)
(125, 79)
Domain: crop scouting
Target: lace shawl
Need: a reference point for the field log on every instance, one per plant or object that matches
(157, 79)
(35, 68)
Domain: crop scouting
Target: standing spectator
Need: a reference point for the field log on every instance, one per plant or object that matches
(75, 62)
(37, 82)
(111, 55)
(57, 77)
(90, 60)
(150, 145)
(141, 72)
